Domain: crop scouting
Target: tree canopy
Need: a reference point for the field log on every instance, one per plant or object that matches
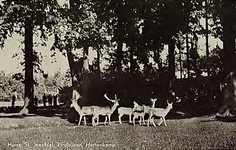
(131, 36)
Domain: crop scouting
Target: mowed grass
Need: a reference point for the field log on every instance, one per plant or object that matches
(38, 132)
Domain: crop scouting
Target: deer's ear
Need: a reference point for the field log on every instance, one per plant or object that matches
(169, 102)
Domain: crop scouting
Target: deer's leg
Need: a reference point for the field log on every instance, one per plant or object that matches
(144, 121)
(93, 120)
(152, 119)
(149, 119)
(164, 120)
(80, 118)
(97, 119)
(120, 115)
(160, 122)
(140, 120)
(153, 123)
(130, 118)
(105, 122)
(84, 120)
(109, 119)
(134, 120)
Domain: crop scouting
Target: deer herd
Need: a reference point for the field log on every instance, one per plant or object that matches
(138, 112)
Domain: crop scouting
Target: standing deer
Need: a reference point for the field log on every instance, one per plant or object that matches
(106, 111)
(125, 111)
(140, 114)
(140, 111)
(160, 112)
(83, 111)
(129, 111)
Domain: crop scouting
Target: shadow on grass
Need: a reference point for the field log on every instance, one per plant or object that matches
(59, 111)
(69, 114)
(11, 112)
(226, 118)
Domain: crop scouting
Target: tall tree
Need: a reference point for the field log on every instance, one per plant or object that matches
(29, 56)
(228, 22)
(25, 17)
(207, 35)
(224, 16)
(79, 31)
(223, 12)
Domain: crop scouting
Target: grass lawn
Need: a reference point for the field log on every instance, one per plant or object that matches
(40, 132)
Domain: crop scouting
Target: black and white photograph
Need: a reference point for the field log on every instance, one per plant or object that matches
(117, 74)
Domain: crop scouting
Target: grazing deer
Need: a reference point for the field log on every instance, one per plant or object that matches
(160, 112)
(105, 110)
(83, 111)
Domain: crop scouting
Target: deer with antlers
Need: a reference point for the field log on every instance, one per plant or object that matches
(106, 111)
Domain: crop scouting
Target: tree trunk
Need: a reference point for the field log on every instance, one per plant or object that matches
(98, 64)
(207, 37)
(132, 63)
(228, 37)
(86, 59)
(29, 80)
(119, 56)
(85, 74)
(70, 58)
(180, 64)
(188, 53)
(171, 63)
(229, 57)
(229, 99)
(157, 56)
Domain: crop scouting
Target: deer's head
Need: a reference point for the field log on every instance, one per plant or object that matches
(74, 103)
(153, 100)
(170, 104)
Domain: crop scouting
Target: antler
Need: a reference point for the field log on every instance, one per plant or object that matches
(105, 95)
(111, 100)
